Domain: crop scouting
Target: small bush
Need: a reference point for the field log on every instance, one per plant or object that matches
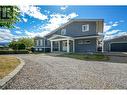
(14, 51)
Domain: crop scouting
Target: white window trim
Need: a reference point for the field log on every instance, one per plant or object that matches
(87, 27)
(63, 31)
(37, 42)
(85, 42)
(80, 42)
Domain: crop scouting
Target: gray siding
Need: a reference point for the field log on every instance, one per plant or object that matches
(75, 29)
(86, 47)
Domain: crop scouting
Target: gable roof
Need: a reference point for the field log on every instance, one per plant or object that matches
(117, 37)
(71, 21)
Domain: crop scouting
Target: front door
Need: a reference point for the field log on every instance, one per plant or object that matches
(64, 46)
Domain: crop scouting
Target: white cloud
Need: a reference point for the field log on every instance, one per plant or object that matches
(33, 34)
(107, 27)
(24, 19)
(111, 24)
(16, 27)
(18, 32)
(5, 34)
(32, 11)
(112, 33)
(63, 7)
(58, 19)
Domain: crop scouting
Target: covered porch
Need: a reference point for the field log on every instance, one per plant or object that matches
(62, 43)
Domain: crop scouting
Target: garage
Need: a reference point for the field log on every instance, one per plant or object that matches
(119, 47)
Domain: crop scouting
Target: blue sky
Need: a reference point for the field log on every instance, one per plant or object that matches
(40, 20)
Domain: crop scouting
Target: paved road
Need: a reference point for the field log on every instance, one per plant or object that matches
(47, 72)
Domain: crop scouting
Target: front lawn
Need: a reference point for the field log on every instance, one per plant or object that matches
(7, 64)
(89, 57)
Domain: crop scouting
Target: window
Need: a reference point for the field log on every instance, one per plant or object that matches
(63, 31)
(37, 43)
(40, 49)
(84, 42)
(87, 42)
(80, 42)
(85, 28)
(36, 49)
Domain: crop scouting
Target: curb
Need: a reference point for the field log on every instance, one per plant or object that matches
(10, 76)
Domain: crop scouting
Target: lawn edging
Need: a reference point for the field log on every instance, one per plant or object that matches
(10, 76)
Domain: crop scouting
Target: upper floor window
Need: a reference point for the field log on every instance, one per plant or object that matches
(63, 31)
(85, 27)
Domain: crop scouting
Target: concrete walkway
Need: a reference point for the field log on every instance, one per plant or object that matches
(47, 72)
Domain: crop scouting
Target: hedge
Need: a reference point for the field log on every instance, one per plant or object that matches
(14, 51)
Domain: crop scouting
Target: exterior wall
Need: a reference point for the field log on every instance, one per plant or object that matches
(82, 48)
(43, 47)
(116, 40)
(75, 29)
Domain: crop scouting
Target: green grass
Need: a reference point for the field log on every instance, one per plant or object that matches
(7, 64)
(88, 57)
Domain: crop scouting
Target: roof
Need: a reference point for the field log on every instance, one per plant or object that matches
(71, 21)
(117, 37)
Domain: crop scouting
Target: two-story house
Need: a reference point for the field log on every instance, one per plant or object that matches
(77, 35)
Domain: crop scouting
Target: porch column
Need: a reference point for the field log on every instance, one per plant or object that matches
(51, 46)
(68, 47)
(59, 45)
(73, 46)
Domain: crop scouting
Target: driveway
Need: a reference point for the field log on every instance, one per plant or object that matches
(46, 72)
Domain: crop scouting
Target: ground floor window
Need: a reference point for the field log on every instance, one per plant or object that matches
(36, 49)
(84, 42)
(40, 49)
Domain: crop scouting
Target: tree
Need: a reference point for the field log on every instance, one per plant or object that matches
(13, 13)
(13, 45)
(28, 42)
(22, 43)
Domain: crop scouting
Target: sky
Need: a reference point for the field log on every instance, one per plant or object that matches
(40, 20)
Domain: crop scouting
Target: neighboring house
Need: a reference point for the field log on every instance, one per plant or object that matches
(118, 44)
(77, 35)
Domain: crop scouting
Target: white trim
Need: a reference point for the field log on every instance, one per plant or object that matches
(60, 39)
(86, 37)
(68, 46)
(37, 42)
(44, 44)
(54, 36)
(59, 45)
(73, 46)
(51, 46)
(86, 26)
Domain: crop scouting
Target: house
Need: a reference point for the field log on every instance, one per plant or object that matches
(77, 35)
(117, 44)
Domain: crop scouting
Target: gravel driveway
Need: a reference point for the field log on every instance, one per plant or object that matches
(47, 72)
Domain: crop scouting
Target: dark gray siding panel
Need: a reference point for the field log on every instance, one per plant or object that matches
(75, 29)
(85, 47)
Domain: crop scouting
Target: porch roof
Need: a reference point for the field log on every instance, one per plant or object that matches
(61, 37)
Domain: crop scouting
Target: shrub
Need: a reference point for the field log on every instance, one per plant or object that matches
(14, 51)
